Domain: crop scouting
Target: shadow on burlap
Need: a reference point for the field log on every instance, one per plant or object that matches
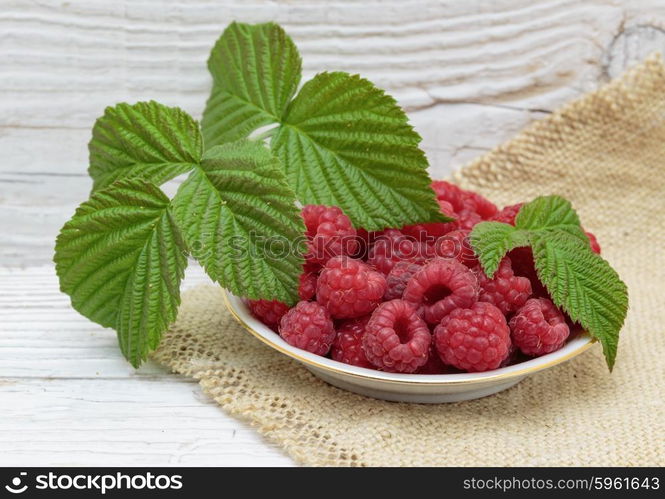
(606, 153)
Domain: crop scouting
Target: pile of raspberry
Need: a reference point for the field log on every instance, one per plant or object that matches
(415, 299)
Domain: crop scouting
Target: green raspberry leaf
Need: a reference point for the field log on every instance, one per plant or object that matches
(256, 70)
(492, 240)
(147, 140)
(584, 285)
(545, 214)
(241, 223)
(121, 259)
(344, 142)
(550, 213)
(578, 280)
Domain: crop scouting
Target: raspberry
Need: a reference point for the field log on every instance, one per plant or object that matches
(434, 364)
(398, 277)
(368, 237)
(505, 290)
(270, 312)
(473, 339)
(349, 288)
(445, 191)
(456, 245)
(329, 233)
(463, 201)
(347, 346)
(396, 339)
(431, 231)
(539, 327)
(512, 355)
(447, 209)
(441, 286)
(480, 204)
(308, 326)
(467, 219)
(307, 286)
(392, 247)
(365, 240)
(595, 247)
(507, 214)
(523, 266)
(312, 267)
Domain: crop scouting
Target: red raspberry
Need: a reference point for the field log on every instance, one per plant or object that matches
(329, 233)
(595, 247)
(522, 263)
(308, 326)
(445, 191)
(463, 201)
(447, 209)
(473, 339)
(467, 219)
(429, 232)
(456, 245)
(398, 277)
(312, 267)
(347, 346)
(505, 290)
(539, 327)
(396, 339)
(512, 358)
(434, 364)
(440, 287)
(270, 312)
(365, 240)
(481, 205)
(307, 286)
(368, 237)
(392, 247)
(349, 288)
(507, 214)
(459, 204)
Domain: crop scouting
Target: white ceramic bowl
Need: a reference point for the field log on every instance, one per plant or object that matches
(421, 388)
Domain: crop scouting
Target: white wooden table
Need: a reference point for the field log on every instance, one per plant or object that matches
(471, 74)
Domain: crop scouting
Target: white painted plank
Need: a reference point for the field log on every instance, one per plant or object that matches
(69, 398)
(424, 51)
(41, 336)
(131, 422)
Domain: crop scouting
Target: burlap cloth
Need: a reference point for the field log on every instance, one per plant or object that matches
(606, 153)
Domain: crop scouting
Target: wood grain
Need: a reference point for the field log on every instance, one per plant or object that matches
(122, 422)
(69, 398)
(471, 74)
